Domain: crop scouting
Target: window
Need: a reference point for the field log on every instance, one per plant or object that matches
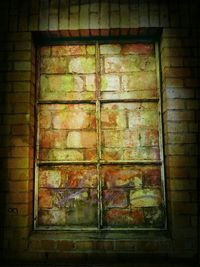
(99, 161)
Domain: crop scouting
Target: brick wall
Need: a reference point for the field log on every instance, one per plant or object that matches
(180, 62)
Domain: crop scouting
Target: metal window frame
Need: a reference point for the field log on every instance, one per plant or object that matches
(100, 162)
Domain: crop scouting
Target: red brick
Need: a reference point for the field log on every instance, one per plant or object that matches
(124, 217)
(141, 49)
(45, 199)
(75, 50)
(54, 65)
(115, 198)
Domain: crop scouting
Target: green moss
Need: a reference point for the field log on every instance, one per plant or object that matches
(104, 83)
(87, 64)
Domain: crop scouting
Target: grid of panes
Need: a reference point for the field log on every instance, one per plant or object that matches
(99, 160)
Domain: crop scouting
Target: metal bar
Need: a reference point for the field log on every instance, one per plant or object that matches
(129, 100)
(40, 101)
(161, 125)
(62, 162)
(140, 162)
(67, 228)
(98, 120)
(36, 149)
(105, 229)
(65, 162)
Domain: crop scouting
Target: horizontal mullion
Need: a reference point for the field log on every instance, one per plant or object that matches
(136, 100)
(65, 162)
(129, 100)
(67, 228)
(66, 101)
(103, 162)
(156, 162)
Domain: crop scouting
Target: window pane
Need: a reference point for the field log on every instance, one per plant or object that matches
(68, 73)
(132, 196)
(128, 71)
(68, 196)
(67, 132)
(130, 131)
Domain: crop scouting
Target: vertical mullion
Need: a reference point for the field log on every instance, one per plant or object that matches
(98, 120)
(161, 126)
(36, 156)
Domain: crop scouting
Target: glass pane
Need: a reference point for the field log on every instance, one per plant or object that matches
(130, 131)
(128, 71)
(67, 132)
(68, 196)
(68, 73)
(132, 196)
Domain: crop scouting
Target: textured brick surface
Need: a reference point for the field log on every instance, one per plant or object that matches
(179, 50)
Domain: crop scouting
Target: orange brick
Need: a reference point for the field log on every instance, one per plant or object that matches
(21, 197)
(20, 209)
(21, 86)
(20, 36)
(19, 76)
(175, 149)
(193, 104)
(16, 119)
(178, 172)
(84, 245)
(25, 45)
(178, 196)
(19, 55)
(171, 42)
(13, 163)
(179, 138)
(21, 108)
(192, 82)
(176, 127)
(18, 174)
(35, 244)
(177, 72)
(65, 245)
(193, 127)
(172, 62)
(181, 161)
(173, 82)
(174, 104)
(182, 185)
(182, 220)
(184, 208)
(48, 245)
(180, 115)
(175, 52)
(22, 65)
(18, 186)
(22, 129)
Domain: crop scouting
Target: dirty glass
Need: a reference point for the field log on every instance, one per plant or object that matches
(99, 162)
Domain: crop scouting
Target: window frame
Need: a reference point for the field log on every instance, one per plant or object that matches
(99, 162)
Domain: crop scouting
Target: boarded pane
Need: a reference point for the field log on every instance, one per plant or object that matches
(67, 132)
(80, 194)
(132, 196)
(130, 131)
(68, 73)
(68, 196)
(128, 71)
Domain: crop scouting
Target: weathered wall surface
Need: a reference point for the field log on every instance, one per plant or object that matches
(180, 59)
